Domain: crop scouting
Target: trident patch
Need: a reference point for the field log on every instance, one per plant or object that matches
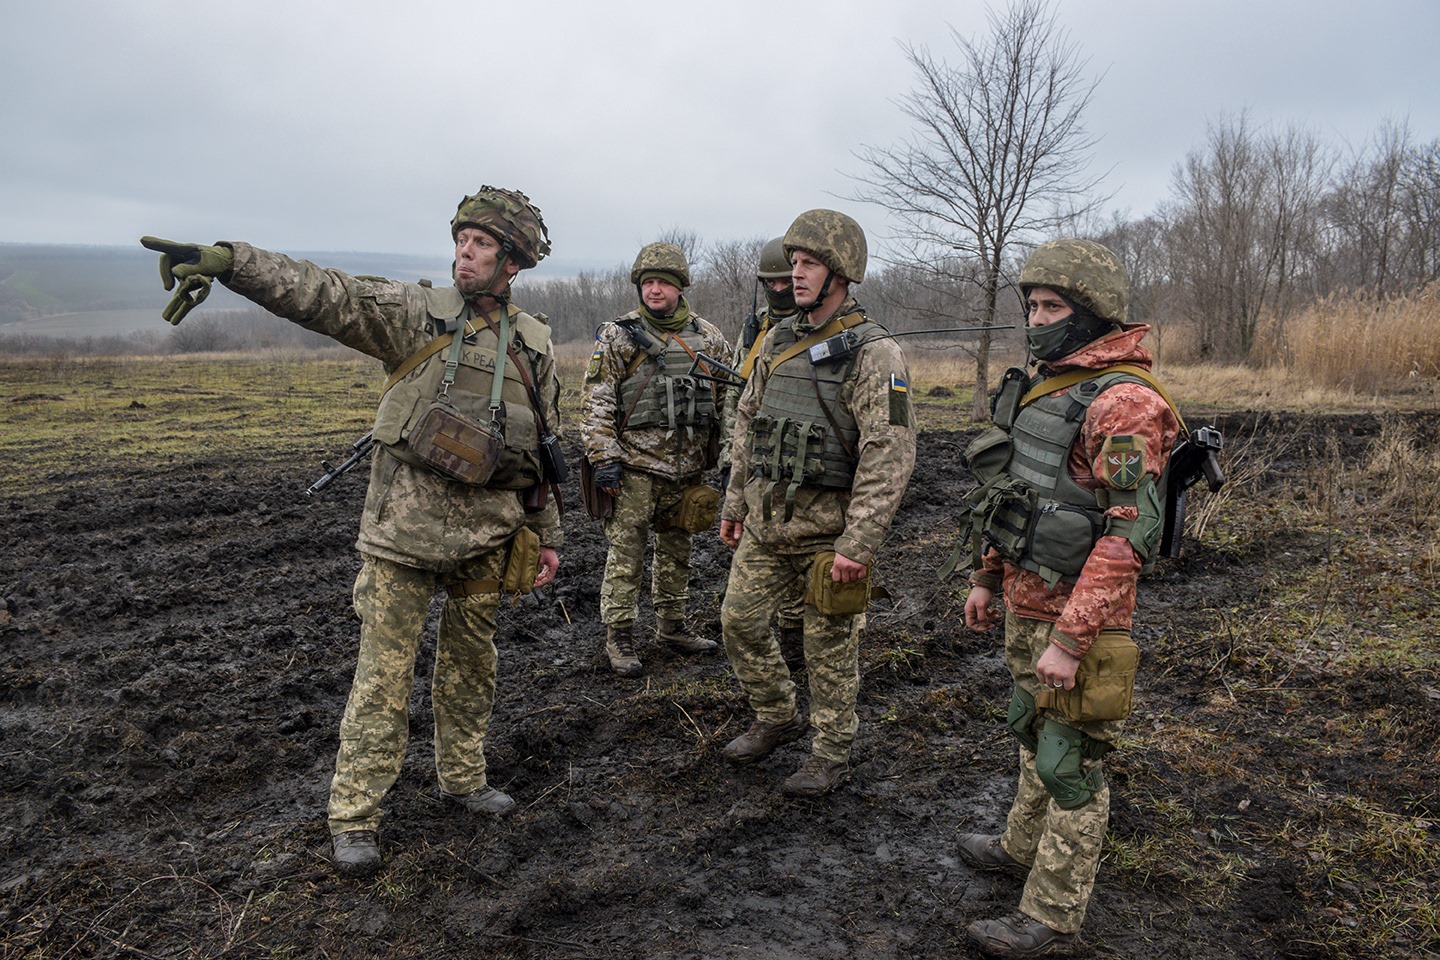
(1122, 462)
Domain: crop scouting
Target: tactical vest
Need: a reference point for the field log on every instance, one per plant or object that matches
(793, 440)
(1027, 505)
(658, 390)
(406, 401)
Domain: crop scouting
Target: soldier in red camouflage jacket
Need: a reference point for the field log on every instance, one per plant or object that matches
(1067, 593)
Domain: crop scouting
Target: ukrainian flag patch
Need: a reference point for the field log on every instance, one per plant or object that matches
(899, 401)
(593, 370)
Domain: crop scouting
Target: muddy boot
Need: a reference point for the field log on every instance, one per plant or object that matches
(356, 853)
(983, 852)
(762, 739)
(1019, 935)
(792, 646)
(816, 777)
(486, 801)
(620, 648)
(672, 634)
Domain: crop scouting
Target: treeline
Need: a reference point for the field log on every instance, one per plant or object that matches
(1264, 224)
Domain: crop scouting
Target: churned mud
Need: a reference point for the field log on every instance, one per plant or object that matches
(176, 644)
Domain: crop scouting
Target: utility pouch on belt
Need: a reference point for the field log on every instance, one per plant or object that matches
(1104, 684)
(698, 507)
(598, 503)
(455, 446)
(523, 564)
(832, 598)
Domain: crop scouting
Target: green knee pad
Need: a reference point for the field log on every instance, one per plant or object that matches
(1021, 719)
(1058, 762)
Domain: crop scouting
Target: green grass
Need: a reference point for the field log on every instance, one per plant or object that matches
(60, 418)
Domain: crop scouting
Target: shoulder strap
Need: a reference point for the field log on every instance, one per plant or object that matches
(414, 360)
(1072, 377)
(816, 336)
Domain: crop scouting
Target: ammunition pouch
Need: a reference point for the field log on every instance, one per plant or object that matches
(599, 504)
(455, 446)
(698, 507)
(522, 566)
(1020, 718)
(1059, 761)
(1104, 685)
(831, 597)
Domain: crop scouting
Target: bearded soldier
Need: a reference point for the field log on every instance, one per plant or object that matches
(824, 444)
(455, 501)
(773, 276)
(1067, 513)
(651, 427)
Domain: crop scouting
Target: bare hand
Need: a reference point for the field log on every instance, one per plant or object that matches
(549, 567)
(730, 531)
(1056, 668)
(846, 570)
(979, 609)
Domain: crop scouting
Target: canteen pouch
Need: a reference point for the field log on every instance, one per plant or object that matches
(832, 598)
(698, 507)
(1104, 685)
(455, 446)
(522, 566)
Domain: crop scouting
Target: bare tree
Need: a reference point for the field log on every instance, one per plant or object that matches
(995, 160)
(1243, 228)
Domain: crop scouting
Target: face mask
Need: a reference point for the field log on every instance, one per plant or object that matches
(783, 303)
(1064, 337)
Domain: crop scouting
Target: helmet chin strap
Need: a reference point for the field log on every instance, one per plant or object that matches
(824, 292)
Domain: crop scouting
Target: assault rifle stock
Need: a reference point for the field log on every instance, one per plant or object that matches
(1192, 460)
(359, 450)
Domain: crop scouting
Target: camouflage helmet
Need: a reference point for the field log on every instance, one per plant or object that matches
(833, 238)
(663, 259)
(510, 217)
(773, 263)
(1084, 272)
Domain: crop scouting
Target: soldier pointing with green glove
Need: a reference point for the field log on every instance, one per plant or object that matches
(455, 501)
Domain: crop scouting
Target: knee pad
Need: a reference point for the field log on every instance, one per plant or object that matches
(1058, 761)
(1021, 718)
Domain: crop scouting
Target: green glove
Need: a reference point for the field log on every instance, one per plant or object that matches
(195, 266)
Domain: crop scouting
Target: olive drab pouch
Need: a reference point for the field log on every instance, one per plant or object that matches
(455, 446)
(830, 597)
(698, 507)
(1104, 685)
(522, 566)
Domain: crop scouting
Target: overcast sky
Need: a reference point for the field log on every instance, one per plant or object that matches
(305, 126)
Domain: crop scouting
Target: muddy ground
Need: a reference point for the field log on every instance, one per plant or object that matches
(177, 643)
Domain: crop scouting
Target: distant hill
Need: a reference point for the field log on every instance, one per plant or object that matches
(38, 281)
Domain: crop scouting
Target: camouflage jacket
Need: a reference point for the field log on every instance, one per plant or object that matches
(851, 522)
(1104, 595)
(732, 396)
(412, 516)
(673, 455)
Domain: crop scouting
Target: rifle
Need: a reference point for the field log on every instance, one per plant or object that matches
(1192, 459)
(359, 450)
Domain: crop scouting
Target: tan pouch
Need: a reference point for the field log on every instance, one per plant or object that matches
(698, 507)
(831, 598)
(523, 564)
(1104, 685)
(455, 446)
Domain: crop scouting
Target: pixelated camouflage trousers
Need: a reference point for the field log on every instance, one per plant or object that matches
(1062, 846)
(393, 601)
(645, 499)
(763, 580)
